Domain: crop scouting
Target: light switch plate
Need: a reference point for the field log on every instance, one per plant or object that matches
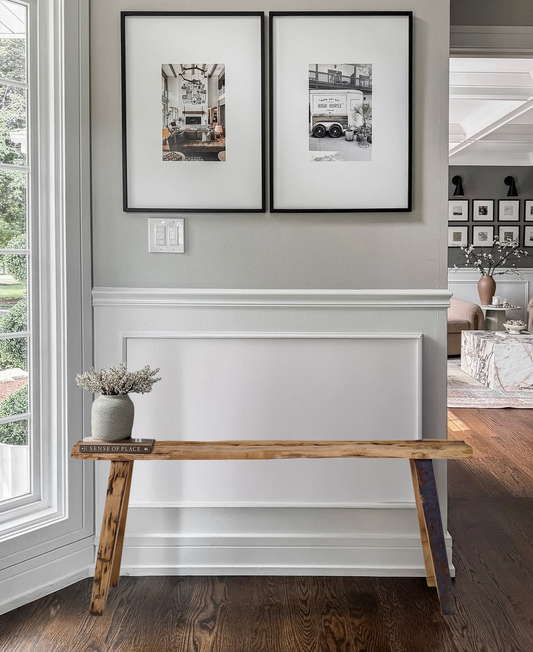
(166, 236)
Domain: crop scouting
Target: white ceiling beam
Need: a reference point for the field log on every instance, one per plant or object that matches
(514, 93)
(491, 117)
(457, 134)
(498, 154)
(492, 77)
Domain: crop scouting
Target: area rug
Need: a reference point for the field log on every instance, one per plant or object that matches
(465, 392)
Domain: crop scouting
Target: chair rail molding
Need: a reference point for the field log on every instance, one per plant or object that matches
(113, 296)
(273, 517)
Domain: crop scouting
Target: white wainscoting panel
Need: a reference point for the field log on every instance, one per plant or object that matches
(218, 386)
(295, 364)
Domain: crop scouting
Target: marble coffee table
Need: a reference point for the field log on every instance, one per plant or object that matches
(498, 360)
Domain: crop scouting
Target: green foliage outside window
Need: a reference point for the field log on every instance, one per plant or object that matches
(13, 189)
(16, 432)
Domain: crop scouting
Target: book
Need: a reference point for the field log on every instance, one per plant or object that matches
(129, 446)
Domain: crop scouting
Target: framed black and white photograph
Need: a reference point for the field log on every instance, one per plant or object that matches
(336, 138)
(457, 236)
(509, 233)
(193, 133)
(508, 210)
(528, 210)
(458, 210)
(483, 236)
(483, 210)
(528, 236)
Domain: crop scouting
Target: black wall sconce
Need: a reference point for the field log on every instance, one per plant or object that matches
(512, 192)
(458, 183)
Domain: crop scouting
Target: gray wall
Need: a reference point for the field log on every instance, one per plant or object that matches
(491, 12)
(277, 251)
(486, 182)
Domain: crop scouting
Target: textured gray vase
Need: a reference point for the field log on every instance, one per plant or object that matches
(112, 418)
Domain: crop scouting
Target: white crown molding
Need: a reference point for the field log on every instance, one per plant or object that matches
(114, 296)
(493, 40)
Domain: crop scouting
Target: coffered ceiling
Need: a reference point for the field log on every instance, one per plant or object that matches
(491, 111)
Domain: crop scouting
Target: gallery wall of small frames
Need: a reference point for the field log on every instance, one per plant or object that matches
(479, 221)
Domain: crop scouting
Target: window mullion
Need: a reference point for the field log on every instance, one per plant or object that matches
(10, 336)
(15, 417)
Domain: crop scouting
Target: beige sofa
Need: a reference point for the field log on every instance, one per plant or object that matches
(463, 316)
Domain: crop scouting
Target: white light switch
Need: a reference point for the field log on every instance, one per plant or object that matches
(166, 236)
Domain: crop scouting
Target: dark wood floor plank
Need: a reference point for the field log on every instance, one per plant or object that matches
(490, 519)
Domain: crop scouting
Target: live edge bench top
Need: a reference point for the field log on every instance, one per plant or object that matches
(422, 449)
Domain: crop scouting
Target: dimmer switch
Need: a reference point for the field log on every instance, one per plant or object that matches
(166, 235)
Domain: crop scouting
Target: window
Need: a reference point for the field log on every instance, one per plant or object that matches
(45, 286)
(16, 295)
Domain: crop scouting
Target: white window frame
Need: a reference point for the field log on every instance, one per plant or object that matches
(59, 508)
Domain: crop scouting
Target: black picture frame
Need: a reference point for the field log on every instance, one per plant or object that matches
(508, 200)
(526, 203)
(511, 225)
(525, 228)
(459, 225)
(280, 14)
(490, 241)
(125, 204)
(452, 201)
(483, 219)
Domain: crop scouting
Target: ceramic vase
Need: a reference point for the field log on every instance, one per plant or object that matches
(112, 418)
(486, 288)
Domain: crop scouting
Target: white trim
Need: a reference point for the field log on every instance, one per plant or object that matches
(5, 81)
(36, 578)
(170, 297)
(9, 166)
(339, 540)
(483, 41)
(257, 505)
(13, 336)
(379, 555)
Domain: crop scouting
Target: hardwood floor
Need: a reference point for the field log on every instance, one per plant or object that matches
(491, 520)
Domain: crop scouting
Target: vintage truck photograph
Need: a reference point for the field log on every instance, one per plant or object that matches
(340, 112)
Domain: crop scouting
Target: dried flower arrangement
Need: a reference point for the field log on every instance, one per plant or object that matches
(501, 254)
(117, 381)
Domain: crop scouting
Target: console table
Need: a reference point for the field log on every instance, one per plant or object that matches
(419, 452)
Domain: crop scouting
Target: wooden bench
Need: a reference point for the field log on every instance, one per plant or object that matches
(419, 452)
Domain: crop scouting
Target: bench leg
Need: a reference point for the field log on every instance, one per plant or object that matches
(431, 533)
(116, 491)
(115, 571)
(428, 559)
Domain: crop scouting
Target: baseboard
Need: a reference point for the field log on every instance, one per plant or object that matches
(45, 574)
(378, 556)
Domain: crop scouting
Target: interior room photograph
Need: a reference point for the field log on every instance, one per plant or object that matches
(266, 375)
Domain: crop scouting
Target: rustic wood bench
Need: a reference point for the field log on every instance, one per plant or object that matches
(419, 452)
